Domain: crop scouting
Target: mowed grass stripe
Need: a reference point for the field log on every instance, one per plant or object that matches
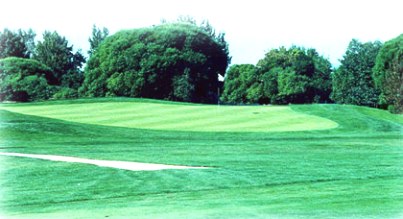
(159, 116)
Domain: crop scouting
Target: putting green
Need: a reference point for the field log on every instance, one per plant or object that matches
(180, 117)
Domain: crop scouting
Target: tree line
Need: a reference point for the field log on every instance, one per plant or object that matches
(176, 60)
(50, 68)
(370, 74)
(181, 61)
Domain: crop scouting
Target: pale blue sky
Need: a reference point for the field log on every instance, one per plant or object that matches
(252, 27)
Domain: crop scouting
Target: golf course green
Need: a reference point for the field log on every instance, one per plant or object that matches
(296, 161)
(179, 117)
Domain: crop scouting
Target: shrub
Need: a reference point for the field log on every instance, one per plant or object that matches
(65, 93)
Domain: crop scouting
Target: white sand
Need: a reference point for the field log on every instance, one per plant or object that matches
(125, 165)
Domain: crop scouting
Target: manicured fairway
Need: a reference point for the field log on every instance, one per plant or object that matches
(160, 116)
(314, 161)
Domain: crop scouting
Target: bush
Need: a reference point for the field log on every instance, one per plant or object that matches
(392, 109)
(65, 93)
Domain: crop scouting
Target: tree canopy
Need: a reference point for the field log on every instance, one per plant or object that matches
(388, 74)
(294, 75)
(96, 38)
(55, 52)
(17, 44)
(24, 80)
(238, 80)
(352, 82)
(173, 61)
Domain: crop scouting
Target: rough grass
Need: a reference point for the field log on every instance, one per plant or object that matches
(352, 171)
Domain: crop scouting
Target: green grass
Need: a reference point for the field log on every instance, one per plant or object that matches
(353, 170)
(179, 117)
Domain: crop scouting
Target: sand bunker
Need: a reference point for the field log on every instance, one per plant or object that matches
(124, 165)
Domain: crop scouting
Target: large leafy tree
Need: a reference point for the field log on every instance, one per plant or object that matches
(320, 81)
(175, 61)
(55, 52)
(352, 81)
(24, 80)
(238, 81)
(96, 38)
(293, 75)
(388, 74)
(17, 44)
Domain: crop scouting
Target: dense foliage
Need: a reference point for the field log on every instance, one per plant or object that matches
(352, 82)
(294, 75)
(175, 61)
(65, 64)
(17, 44)
(238, 81)
(181, 61)
(388, 74)
(24, 80)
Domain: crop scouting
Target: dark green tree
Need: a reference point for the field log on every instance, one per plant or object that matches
(65, 64)
(183, 87)
(321, 81)
(292, 87)
(388, 74)
(175, 61)
(24, 80)
(293, 75)
(17, 44)
(207, 28)
(352, 81)
(96, 38)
